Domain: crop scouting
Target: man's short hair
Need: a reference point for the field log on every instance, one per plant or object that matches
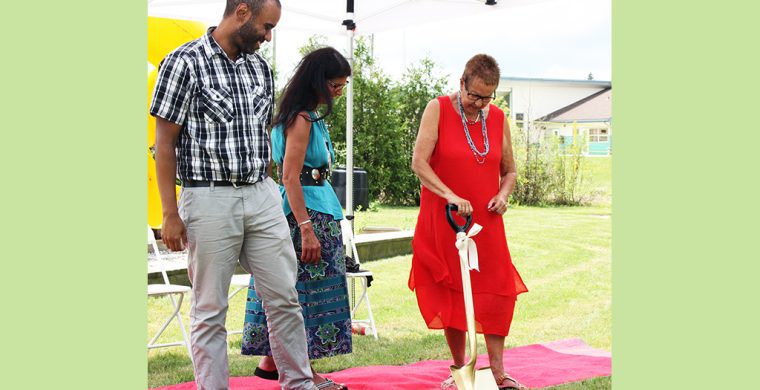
(254, 5)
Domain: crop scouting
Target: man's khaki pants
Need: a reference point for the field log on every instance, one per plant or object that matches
(246, 224)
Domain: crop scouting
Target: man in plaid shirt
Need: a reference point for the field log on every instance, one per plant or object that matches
(213, 103)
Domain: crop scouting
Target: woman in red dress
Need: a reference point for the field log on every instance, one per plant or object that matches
(463, 155)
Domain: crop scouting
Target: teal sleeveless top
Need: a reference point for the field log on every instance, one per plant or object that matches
(319, 152)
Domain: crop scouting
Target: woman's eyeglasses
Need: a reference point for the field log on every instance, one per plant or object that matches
(337, 87)
(475, 97)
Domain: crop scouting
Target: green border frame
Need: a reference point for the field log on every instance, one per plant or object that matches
(73, 210)
(685, 194)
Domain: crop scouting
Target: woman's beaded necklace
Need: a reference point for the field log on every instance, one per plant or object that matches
(480, 157)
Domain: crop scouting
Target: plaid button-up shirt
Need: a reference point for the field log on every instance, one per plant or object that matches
(224, 108)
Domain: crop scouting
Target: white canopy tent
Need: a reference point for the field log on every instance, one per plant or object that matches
(326, 16)
(342, 16)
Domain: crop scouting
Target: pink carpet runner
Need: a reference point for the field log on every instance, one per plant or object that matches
(535, 366)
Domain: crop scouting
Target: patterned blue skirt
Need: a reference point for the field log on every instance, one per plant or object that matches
(322, 293)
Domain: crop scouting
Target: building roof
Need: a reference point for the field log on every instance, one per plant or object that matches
(579, 83)
(596, 107)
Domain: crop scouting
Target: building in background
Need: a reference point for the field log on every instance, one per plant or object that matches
(575, 110)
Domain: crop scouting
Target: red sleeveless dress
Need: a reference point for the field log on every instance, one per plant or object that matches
(435, 275)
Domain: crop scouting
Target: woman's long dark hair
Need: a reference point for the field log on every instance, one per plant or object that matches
(308, 86)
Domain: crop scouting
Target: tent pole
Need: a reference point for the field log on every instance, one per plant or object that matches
(350, 26)
(350, 133)
(274, 49)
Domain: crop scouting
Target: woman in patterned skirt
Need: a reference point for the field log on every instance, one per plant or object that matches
(303, 152)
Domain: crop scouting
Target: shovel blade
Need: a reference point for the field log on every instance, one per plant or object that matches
(467, 378)
(464, 377)
(484, 380)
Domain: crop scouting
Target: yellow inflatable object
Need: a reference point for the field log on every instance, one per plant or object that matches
(164, 35)
(152, 74)
(155, 212)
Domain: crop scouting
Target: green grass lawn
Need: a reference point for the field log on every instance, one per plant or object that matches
(562, 253)
(388, 216)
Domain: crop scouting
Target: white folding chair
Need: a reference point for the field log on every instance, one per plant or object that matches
(171, 290)
(239, 282)
(361, 278)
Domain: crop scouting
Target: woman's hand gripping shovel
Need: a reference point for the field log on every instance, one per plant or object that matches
(467, 377)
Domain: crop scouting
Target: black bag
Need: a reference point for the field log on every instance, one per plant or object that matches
(351, 266)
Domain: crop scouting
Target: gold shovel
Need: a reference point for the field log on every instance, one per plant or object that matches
(467, 377)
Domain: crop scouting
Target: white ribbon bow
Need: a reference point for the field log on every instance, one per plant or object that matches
(467, 248)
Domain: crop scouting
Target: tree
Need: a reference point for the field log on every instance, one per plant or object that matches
(315, 42)
(418, 86)
(376, 122)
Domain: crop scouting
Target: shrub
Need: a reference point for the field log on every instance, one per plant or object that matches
(568, 180)
(548, 173)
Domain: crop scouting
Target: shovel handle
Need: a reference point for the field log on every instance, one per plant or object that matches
(449, 217)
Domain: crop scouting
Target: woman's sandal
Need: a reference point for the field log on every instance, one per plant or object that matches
(268, 375)
(504, 381)
(329, 382)
(449, 383)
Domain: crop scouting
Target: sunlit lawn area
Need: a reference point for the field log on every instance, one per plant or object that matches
(563, 255)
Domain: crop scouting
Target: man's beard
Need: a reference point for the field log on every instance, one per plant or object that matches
(249, 40)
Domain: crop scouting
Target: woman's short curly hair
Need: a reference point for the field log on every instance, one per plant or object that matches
(483, 67)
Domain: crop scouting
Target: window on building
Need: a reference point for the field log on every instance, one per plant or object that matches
(520, 119)
(598, 135)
